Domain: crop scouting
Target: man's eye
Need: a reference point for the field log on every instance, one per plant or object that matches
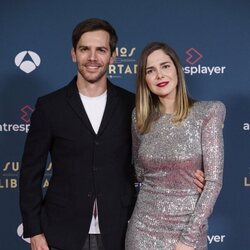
(102, 50)
(83, 49)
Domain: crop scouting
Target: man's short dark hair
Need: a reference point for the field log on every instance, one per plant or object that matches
(94, 24)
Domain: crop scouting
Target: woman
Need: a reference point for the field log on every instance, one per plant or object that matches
(173, 136)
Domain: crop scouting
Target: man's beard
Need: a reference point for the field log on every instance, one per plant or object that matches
(93, 77)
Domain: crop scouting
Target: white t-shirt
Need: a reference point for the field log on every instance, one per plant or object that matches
(94, 107)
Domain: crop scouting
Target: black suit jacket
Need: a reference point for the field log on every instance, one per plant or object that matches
(85, 166)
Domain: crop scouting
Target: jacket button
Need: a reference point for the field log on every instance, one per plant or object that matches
(89, 194)
(97, 143)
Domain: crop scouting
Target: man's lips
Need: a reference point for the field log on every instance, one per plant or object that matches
(96, 65)
(162, 84)
(92, 67)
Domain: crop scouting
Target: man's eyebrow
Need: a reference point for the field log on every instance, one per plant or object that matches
(102, 47)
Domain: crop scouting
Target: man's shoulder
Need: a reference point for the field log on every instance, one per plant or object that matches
(57, 94)
(122, 91)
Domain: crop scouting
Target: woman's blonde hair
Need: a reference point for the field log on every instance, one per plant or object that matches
(147, 103)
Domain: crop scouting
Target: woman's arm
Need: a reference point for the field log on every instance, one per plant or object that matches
(213, 161)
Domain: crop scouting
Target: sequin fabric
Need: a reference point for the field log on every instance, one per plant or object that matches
(169, 208)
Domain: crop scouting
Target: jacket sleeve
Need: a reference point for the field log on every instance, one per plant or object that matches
(32, 171)
(213, 161)
(136, 140)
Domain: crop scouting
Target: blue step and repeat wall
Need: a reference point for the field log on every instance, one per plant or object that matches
(212, 38)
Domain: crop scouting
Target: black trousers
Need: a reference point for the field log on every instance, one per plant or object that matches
(92, 242)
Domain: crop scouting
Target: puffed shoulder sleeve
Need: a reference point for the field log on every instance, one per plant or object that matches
(212, 142)
(136, 140)
(213, 162)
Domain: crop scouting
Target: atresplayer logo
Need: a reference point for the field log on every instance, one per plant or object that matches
(215, 238)
(193, 57)
(27, 61)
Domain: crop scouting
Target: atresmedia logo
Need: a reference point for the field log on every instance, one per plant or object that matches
(193, 57)
(25, 114)
(27, 61)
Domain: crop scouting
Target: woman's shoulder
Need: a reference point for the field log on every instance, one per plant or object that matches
(209, 106)
(134, 118)
(134, 114)
(209, 109)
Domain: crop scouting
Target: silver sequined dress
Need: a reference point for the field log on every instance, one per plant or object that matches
(169, 208)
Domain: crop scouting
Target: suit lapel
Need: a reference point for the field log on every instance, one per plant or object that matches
(112, 103)
(75, 102)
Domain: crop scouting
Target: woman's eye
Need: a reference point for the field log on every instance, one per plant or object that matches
(165, 66)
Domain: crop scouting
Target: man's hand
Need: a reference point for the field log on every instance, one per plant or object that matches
(199, 180)
(38, 242)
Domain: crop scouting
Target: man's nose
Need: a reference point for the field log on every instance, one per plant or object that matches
(92, 55)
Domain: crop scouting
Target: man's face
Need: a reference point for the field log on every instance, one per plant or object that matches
(93, 56)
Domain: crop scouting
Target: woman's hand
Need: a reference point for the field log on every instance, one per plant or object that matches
(181, 246)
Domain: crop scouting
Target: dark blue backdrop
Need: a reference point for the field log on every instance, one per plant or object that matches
(212, 39)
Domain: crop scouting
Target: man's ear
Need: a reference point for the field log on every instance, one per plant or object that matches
(112, 58)
(73, 55)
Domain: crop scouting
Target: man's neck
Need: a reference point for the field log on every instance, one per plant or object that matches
(91, 89)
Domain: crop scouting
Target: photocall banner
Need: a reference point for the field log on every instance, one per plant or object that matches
(212, 39)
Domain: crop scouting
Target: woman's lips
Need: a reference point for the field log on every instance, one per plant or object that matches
(162, 84)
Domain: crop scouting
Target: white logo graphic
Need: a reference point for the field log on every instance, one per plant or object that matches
(20, 233)
(216, 238)
(125, 63)
(246, 126)
(27, 65)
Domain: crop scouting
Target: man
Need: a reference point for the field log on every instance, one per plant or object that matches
(85, 127)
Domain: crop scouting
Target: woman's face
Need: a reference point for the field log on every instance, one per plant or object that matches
(161, 75)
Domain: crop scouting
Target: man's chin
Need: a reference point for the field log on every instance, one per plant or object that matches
(92, 77)
(92, 80)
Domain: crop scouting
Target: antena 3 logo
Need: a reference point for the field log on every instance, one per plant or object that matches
(27, 61)
(193, 57)
(25, 113)
(125, 63)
